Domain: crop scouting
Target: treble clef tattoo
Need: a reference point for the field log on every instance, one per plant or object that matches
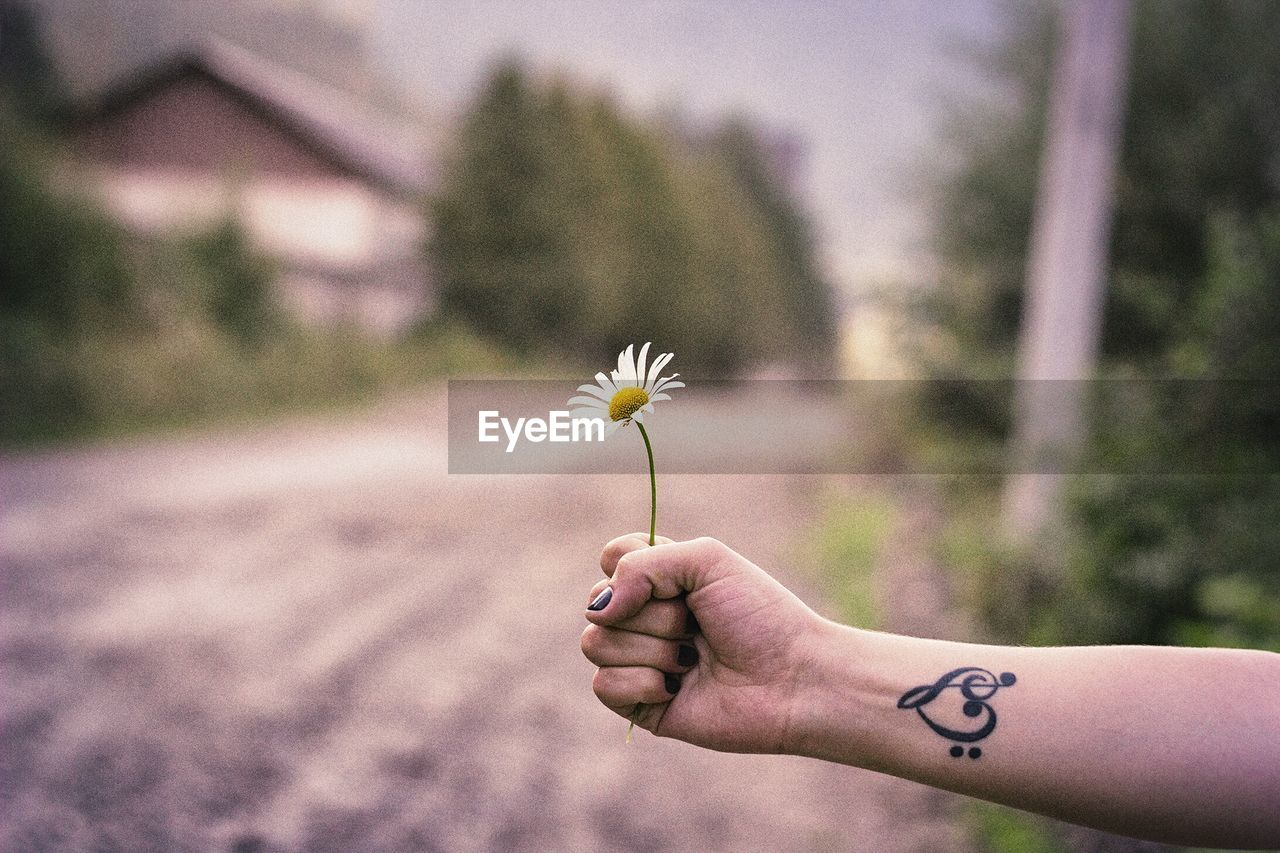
(976, 686)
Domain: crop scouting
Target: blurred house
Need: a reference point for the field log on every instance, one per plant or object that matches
(321, 183)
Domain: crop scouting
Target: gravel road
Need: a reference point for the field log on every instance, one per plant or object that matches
(308, 636)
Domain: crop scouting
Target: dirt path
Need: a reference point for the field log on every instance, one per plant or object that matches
(310, 637)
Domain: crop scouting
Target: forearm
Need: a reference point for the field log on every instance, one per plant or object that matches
(1174, 744)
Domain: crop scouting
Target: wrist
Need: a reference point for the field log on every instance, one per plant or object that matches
(841, 697)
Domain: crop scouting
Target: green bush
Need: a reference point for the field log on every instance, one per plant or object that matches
(63, 271)
(63, 265)
(239, 283)
(1192, 559)
(190, 372)
(40, 394)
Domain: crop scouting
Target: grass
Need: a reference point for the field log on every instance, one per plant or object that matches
(1000, 829)
(106, 385)
(846, 547)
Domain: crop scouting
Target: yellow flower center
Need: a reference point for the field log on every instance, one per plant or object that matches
(627, 402)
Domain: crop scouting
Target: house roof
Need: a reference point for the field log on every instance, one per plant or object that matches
(326, 120)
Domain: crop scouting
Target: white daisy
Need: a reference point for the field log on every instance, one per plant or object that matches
(629, 392)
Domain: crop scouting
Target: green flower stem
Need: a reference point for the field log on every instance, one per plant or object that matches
(653, 487)
(653, 530)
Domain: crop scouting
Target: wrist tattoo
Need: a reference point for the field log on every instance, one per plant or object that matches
(976, 686)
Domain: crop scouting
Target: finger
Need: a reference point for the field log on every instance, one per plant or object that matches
(612, 647)
(645, 716)
(614, 551)
(663, 572)
(668, 620)
(597, 589)
(623, 687)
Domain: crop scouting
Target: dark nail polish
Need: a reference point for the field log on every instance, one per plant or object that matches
(686, 655)
(691, 625)
(672, 683)
(602, 599)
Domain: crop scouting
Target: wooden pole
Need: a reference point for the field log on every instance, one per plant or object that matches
(1067, 265)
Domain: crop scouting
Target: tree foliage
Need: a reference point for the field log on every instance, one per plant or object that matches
(29, 81)
(1184, 557)
(565, 226)
(62, 265)
(1193, 291)
(1201, 137)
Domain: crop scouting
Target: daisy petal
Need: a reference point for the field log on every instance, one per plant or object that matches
(610, 387)
(596, 391)
(640, 360)
(667, 384)
(654, 369)
(589, 403)
(626, 364)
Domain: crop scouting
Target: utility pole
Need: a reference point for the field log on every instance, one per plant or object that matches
(1067, 265)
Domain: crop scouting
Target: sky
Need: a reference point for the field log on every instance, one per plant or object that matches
(863, 83)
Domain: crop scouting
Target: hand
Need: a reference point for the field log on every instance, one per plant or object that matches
(751, 636)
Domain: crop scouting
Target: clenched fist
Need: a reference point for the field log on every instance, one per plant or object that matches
(705, 641)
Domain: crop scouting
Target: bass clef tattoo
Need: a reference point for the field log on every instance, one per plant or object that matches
(977, 686)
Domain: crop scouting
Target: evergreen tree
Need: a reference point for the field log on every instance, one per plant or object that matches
(806, 293)
(505, 262)
(564, 225)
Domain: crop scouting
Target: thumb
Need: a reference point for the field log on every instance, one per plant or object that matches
(663, 571)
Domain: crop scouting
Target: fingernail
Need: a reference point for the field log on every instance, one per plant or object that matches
(602, 599)
(686, 655)
(672, 683)
(691, 624)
